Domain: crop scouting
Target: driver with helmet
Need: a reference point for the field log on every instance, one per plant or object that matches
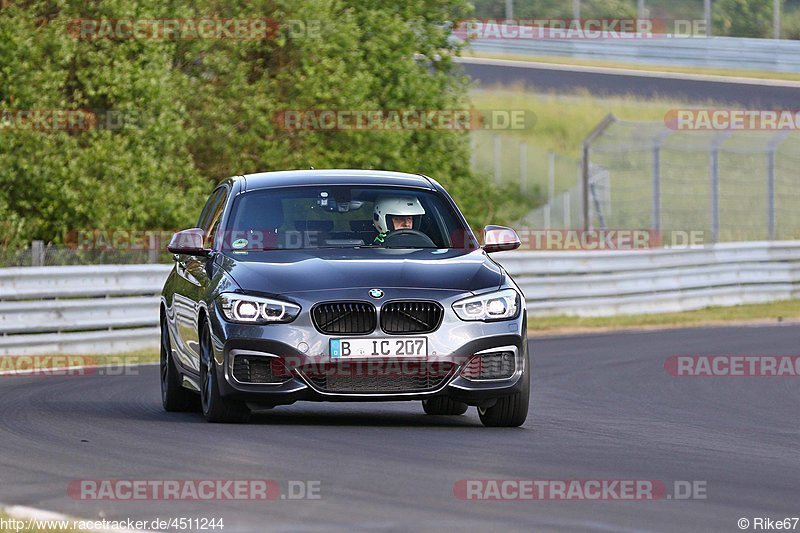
(393, 213)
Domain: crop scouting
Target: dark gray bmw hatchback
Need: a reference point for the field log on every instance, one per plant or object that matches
(341, 285)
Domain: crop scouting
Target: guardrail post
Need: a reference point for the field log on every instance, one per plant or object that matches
(585, 154)
(37, 253)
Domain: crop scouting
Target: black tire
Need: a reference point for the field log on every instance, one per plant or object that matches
(442, 405)
(216, 408)
(174, 397)
(509, 411)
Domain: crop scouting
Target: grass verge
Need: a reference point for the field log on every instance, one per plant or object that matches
(773, 312)
(561, 123)
(45, 363)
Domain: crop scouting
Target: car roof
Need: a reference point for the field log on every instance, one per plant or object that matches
(290, 178)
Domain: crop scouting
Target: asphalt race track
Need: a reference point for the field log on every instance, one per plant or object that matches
(603, 407)
(752, 94)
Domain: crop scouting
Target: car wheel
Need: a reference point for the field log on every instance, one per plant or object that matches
(442, 405)
(174, 397)
(509, 411)
(215, 407)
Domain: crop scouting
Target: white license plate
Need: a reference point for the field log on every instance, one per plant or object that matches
(360, 348)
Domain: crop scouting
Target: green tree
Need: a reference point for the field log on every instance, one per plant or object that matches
(743, 18)
(206, 109)
(136, 174)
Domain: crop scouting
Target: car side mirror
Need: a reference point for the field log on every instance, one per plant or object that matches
(499, 238)
(188, 242)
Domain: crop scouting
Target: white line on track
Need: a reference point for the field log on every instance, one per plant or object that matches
(626, 72)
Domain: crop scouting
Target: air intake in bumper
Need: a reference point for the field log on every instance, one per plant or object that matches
(491, 365)
(378, 378)
(260, 369)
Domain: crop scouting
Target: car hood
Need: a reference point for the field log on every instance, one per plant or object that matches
(284, 272)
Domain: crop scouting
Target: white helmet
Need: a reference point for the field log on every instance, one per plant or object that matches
(394, 205)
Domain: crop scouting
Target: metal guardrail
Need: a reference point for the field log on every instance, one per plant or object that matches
(79, 309)
(114, 308)
(710, 52)
(607, 283)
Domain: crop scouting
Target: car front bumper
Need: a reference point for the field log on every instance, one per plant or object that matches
(455, 342)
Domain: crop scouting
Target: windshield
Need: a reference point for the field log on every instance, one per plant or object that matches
(342, 217)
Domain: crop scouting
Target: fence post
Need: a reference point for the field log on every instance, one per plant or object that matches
(772, 149)
(523, 167)
(586, 149)
(153, 249)
(496, 153)
(656, 213)
(473, 155)
(716, 143)
(37, 253)
(714, 193)
(551, 186)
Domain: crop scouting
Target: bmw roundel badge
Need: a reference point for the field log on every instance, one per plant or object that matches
(376, 293)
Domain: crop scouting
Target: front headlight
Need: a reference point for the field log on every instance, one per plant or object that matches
(500, 305)
(255, 310)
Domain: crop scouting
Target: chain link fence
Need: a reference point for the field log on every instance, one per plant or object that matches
(731, 185)
(723, 186)
(40, 254)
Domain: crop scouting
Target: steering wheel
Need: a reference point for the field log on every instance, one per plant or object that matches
(408, 237)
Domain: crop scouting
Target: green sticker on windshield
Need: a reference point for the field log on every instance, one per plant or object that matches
(239, 243)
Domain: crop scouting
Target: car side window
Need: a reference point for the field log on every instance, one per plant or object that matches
(204, 221)
(215, 218)
(211, 215)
